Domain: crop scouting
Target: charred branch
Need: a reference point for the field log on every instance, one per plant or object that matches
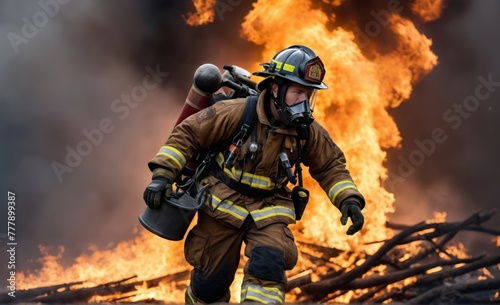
(441, 229)
(326, 251)
(331, 284)
(299, 281)
(370, 294)
(84, 295)
(440, 276)
(401, 275)
(452, 292)
(32, 293)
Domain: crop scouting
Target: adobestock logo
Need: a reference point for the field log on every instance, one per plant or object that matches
(223, 6)
(31, 27)
(454, 117)
(94, 137)
(373, 28)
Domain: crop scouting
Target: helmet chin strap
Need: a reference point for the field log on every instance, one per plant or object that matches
(280, 103)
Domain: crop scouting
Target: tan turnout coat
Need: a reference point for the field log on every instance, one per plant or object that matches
(324, 159)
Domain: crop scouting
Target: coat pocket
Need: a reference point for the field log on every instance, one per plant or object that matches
(291, 251)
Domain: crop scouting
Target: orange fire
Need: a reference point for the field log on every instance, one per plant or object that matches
(354, 108)
(147, 256)
(204, 13)
(363, 85)
(428, 10)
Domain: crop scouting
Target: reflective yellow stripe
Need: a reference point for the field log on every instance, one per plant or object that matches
(228, 207)
(338, 187)
(287, 67)
(272, 211)
(265, 295)
(255, 181)
(253, 297)
(172, 153)
(189, 294)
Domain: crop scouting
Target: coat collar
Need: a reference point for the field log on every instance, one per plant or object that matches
(261, 113)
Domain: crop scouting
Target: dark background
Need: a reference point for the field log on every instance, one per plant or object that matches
(65, 79)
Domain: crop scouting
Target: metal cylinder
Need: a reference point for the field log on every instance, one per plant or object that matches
(169, 221)
(207, 80)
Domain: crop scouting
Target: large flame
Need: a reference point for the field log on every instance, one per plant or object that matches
(354, 110)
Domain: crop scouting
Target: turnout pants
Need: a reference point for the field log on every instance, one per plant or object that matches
(213, 249)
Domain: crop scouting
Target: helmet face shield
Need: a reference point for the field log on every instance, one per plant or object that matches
(312, 99)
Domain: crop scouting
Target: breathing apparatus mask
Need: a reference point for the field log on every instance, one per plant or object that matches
(297, 114)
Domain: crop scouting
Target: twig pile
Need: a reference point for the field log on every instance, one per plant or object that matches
(408, 280)
(67, 293)
(404, 279)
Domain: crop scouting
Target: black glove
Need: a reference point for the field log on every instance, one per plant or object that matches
(156, 189)
(351, 209)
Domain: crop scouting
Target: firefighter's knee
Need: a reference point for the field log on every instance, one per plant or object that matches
(210, 288)
(268, 264)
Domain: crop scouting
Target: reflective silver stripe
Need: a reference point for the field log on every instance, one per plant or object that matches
(229, 207)
(255, 181)
(172, 153)
(264, 295)
(339, 187)
(272, 211)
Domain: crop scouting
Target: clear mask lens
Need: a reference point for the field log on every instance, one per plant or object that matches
(312, 99)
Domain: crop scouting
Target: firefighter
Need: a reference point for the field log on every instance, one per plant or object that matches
(249, 200)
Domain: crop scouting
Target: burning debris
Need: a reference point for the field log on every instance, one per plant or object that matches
(411, 267)
(416, 266)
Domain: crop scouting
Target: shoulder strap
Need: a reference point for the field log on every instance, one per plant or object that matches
(247, 121)
(240, 133)
(244, 127)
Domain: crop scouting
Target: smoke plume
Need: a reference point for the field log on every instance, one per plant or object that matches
(459, 171)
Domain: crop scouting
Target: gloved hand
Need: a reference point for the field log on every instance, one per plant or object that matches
(156, 189)
(351, 209)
